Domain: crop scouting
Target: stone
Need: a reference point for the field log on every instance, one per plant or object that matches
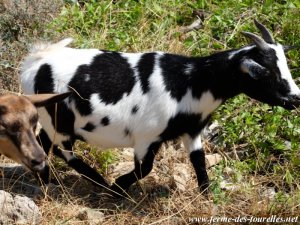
(91, 216)
(269, 193)
(228, 172)
(121, 168)
(213, 159)
(224, 185)
(181, 176)
(18, 210)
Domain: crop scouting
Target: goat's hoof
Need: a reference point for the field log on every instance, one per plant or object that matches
(204, 189)
(117, 191)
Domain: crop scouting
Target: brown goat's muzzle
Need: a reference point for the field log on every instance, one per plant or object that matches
(36, 162)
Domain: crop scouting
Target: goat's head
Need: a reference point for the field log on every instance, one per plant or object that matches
(18, 121)
(268, 78)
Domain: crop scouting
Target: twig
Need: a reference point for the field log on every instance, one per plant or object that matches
(196, 25)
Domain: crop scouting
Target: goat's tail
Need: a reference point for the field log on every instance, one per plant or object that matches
(40, 50)
(41, 47)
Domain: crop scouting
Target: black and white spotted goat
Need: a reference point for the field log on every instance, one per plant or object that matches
(144, 99)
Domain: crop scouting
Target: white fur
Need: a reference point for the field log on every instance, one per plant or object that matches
(284, 70)
(235, 52)
(192, 144)
(188, 68)
(87, 77)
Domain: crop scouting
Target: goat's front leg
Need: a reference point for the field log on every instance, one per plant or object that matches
(197, 157)
(69, 157)
(142, 167)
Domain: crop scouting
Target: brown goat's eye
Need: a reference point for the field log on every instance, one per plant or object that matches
(15, 127)
(33, 120)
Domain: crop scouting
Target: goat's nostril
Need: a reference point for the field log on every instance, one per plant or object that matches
(35, 162)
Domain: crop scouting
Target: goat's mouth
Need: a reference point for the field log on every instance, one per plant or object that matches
(291, 102)
(34, 167)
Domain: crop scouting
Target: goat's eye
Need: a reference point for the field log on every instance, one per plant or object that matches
(15, 127)
(33, 120)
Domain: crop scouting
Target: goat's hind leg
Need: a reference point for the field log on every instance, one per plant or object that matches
(141, 169)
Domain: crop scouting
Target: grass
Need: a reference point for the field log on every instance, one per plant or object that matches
(269, 136)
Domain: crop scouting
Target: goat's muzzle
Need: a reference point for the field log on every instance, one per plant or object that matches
(37, 162)
(291, 102)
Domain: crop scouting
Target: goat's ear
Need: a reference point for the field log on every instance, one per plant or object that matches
(40, 100)
(255, 70)
(287, 48)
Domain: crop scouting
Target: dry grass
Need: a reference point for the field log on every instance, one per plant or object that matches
(155, 199)
(21, 23)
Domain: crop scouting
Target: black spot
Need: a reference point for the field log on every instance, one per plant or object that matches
(110, 77)
(176, 82)
(145, 69)
(67, 145)
(65, 121)
(183, 124)
(89, 127)
(134, 109)
(127, 132)
(105, 121)
(43, 82)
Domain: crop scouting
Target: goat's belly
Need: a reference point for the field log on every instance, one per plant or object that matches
(106, 138)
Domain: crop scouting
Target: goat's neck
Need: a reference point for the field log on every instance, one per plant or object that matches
(220, 73)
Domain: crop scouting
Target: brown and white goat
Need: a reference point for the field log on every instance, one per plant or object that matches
(18, 121)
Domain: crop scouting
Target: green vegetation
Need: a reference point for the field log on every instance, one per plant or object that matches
(270, 135)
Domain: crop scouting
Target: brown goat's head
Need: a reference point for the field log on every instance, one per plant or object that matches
(18, 121)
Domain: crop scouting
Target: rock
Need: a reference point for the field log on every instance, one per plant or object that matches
(228, 172)
(12, 169)
(224, 185)
(127, 153)
(91, 216)
(288, 145)
(18, 210)
(181, 176)
(153, 177)
(213, 159)
(120, 168)
(269, 193)
(19, 187)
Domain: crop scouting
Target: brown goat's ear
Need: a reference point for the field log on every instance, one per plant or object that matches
(40, 100)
